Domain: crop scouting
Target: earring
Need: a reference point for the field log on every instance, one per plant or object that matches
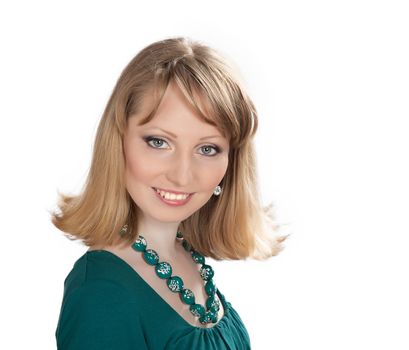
(217, 191)
(123, 230)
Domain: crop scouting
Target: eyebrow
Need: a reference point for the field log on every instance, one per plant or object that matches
(174, 136)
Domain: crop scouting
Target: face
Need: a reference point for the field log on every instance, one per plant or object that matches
(176, 152)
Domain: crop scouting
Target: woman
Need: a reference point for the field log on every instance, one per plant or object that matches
(172, 181)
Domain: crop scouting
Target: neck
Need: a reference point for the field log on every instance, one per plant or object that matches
(160, 236)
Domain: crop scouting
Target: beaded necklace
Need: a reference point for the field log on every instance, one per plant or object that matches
(206, 314)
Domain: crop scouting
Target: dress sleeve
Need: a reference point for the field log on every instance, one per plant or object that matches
(99, 315)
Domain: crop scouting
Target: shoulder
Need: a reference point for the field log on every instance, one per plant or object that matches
(99, 278)
(97, 310)
(99, 267)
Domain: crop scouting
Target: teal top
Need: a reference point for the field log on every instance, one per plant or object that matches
(107, 305)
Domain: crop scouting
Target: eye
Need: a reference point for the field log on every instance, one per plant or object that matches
(207, 149)
(154, 142)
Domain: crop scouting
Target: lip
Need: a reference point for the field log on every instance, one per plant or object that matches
(170, 191)
(173, 203)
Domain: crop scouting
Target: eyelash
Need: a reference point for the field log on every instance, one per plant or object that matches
(147, 139)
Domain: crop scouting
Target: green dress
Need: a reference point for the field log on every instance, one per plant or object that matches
(107, 305)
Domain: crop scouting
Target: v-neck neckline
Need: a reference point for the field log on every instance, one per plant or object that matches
(128, 266)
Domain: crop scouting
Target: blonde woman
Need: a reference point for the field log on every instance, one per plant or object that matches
(172, 181)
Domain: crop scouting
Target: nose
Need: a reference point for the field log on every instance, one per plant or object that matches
(180, 171)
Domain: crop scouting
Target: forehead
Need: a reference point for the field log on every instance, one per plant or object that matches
(178, 109)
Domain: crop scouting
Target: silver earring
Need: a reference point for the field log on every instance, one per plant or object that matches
(217, 191)
(123, 230)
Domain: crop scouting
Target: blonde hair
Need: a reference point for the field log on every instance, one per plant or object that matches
(231, 226)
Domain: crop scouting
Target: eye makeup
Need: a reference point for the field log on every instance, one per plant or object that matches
(149, 139)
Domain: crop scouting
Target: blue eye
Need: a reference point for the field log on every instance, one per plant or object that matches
(215, 148)
(156, 142)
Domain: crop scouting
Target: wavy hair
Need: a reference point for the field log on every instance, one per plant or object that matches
(232, 226)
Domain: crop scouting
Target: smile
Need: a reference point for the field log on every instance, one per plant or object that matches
(173, 198)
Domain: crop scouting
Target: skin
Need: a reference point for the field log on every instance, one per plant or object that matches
(184, 163)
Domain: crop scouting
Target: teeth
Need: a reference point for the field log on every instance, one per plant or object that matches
(172, 196)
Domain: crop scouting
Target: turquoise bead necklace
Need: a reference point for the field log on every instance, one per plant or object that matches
(206, 314)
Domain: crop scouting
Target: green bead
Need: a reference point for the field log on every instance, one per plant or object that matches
(210, 287)
(179, 234)
(206, 318)
(140, 244)
(151, 257)
(175, 284)
(197, 310)
(198, 258)
(206, 272)
(187, 296)
(163, 270)
(212, 303)
(214, 316)
(186, 245)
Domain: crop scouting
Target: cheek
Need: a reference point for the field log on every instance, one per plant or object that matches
(212, 175)
(140, 167)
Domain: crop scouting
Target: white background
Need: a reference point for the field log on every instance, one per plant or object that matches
(330, 80)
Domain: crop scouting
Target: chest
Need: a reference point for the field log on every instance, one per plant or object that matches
(183, 267)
